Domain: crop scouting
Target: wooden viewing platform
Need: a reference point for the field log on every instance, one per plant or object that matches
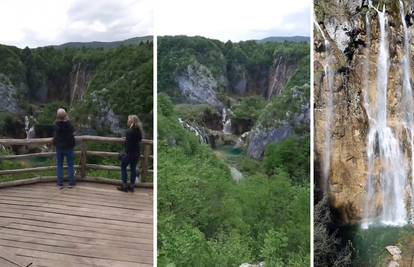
(91, 224)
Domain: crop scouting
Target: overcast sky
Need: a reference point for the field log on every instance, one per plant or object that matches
(36, 23)
(234, 19)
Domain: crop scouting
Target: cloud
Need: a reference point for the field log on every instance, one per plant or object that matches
(234, 20)
(46, 22)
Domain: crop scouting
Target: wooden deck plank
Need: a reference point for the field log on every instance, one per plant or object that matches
(89, 225)
(76, 201)
(76, 239)
(78, 209)
(53, 216)
(135, 232)
(73, 259)
(112, 196)
(83, 214)
(6, 263)
(6, 217)
(7, 258)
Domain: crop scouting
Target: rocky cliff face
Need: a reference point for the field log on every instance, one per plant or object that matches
(8, 96)
(80, 77)
(198, 85)
(280, 73)
(345, 28)
(287, 115)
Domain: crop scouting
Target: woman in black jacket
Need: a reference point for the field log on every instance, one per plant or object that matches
(64, 141)
(133, 138)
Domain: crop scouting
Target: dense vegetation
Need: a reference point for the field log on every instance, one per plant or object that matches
(207, 219)
(120, 79)
(222, 59)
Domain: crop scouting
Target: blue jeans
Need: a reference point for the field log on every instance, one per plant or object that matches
(133, 166)
(60, 155)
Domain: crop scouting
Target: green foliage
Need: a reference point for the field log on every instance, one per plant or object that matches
(165, 106)
(249, 108)
(291, 156)
(206, 219)
(224, 59)
(11, 65)
(121, 79)
(274, 248)
(47, 114)
(195, 113)
(285, 109)
(302, 74)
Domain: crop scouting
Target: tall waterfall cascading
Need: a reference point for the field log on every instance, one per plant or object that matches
(383, 144)
(226, 120)
(407, 102)
(370, 197)
(329, 76)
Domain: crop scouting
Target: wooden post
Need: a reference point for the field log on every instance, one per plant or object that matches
(83, 160)
(144, 164)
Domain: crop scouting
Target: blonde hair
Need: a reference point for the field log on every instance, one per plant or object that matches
(61, 115)
(135, 122)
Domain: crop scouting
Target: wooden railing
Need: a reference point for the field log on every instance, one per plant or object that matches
(82, 168)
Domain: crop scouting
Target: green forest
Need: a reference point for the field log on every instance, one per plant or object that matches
(205, 218)
(43, 78)
(111, 82)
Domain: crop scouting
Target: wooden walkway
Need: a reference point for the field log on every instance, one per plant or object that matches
(89, 225)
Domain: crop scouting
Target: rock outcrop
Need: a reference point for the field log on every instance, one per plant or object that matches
(280, 73)
(198, 85)
(279, 120)
(8, 97)
(259, 138)
(343, 23)
(80, 77)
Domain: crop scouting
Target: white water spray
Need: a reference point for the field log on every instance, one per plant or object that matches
(407, 101)
(383, 143)
(226, 120)
(196, 130)
(370, 197)
(329, 78)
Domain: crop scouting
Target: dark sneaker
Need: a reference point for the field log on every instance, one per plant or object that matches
(131, 188)
(122, 187)
(71, 186)
(60, 186)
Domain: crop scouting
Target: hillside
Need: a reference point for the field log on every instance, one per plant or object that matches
(100, 87)
(106, 45)
(282, 39)
(233, 153)
(240, 79)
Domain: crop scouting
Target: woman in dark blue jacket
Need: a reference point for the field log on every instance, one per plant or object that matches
(64, 141)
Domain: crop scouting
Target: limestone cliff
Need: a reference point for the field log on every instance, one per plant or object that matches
(354, 65)
(8, 96)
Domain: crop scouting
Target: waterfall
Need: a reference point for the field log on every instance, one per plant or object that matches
(329, 78)
(30, 130)
(226, 120)
(383, 144)
(75, 86)
(26, 126)
(196, 130)
(407, 100)
(369, 198)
